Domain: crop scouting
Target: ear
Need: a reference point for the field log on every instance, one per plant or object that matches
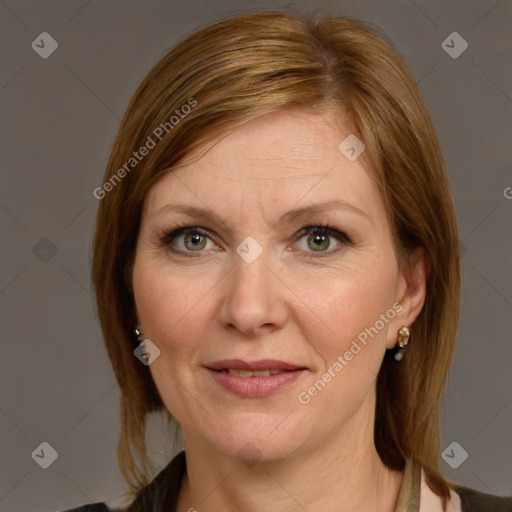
(410, 292)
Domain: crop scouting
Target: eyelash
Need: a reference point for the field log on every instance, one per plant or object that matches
(172, 232)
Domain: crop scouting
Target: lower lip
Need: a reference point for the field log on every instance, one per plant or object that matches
(255, 386)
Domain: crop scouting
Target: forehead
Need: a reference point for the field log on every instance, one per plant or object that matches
(275, 159)
(277, 141)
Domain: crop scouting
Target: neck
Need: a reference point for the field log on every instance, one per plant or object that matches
(343, 474)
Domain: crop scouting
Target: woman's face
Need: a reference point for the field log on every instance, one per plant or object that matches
(257, 285)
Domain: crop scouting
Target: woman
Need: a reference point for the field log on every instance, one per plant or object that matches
(276, 265)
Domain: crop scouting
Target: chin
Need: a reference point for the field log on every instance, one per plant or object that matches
(253, 452)
(260, 438)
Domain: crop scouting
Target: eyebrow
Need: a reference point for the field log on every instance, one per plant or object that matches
(293, 215)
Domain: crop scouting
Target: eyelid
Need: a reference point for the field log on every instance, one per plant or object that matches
(324, 229)
(168, 235)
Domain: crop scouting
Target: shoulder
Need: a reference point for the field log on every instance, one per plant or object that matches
(160, 494)
(92, 507)
(475, 501)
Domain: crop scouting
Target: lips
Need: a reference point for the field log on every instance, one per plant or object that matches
(254, 379)
(252, 373)
(253, 366)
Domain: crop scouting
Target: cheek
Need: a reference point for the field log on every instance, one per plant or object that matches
(348, 336)
(166, 300)
(175, 312)
(351, 306)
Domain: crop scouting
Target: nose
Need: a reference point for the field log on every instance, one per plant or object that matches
(253, 297)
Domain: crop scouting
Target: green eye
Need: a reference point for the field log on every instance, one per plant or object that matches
(318, 242)
(320, 238)
(187, 240)
(194, 241)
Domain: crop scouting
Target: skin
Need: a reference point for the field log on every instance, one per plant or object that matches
(293, 303)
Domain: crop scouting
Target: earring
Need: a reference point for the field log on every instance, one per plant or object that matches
(402, 339)
(139, 335)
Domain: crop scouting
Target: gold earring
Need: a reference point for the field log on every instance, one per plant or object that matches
(140, 337)
(402, 339)
(404, 334)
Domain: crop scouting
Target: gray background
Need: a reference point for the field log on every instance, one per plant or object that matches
(58, 120)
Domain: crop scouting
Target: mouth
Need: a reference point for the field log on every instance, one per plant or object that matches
(256, 378)
(270, 365)
(239, 372)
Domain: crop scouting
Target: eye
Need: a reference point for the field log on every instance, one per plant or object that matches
(317, 239)
(187, 239)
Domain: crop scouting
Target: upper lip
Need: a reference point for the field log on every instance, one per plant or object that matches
(262, 364)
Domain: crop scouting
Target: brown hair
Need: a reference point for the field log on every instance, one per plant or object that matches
(232, 72)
